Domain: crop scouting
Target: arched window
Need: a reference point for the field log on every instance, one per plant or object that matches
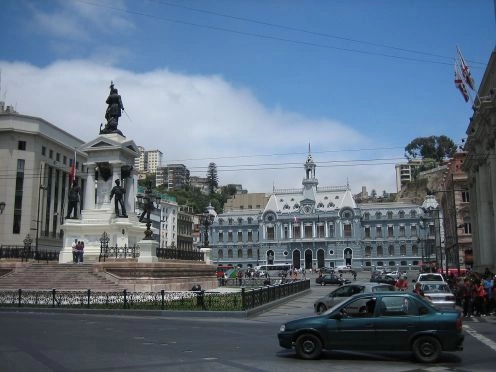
(249, 253)
(391, 250)
(220, 253)
(229, 253)
(368, 251)
(403, 250)
(414, 250)
(379, 251)
(240, 253)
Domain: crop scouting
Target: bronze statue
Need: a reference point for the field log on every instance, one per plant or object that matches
(147, 204)
(74, 192)
(114, 111)
(119, 192)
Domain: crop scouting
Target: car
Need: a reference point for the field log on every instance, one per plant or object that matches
(389, 321)
(344, 292)
(429, 277)
(343, 269)
(439, 293)
(331, 279)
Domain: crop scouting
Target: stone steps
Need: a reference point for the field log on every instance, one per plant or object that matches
(42, 276)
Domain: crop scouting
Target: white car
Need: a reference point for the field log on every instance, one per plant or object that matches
(429, 277)
(343, 269)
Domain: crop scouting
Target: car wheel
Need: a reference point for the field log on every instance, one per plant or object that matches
(308, 346)
(321, 308)
(426, 349)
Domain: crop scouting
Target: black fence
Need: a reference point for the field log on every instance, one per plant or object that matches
(178, 254)
(116, 252)
(244, 299)
(19, 252)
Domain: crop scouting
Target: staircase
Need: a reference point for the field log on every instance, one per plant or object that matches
(62, 277)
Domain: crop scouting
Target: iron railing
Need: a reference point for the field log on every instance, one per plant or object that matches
(164, 300)
(116, 252)
(26, 253)
(178, 254)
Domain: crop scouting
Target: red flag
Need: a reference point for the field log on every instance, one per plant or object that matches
(460, 85)
(467, 76)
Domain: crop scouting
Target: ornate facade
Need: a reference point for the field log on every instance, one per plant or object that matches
(314, 227)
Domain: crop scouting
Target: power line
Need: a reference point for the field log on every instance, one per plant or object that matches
(268, 37)
(290, 28)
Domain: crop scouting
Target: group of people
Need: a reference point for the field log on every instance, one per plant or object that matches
(476, 294)
(77, 251)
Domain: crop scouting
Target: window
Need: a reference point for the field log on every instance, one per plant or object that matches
(414, 250)
(398, 306)
(286, 232)
(43, 150)
(220, 253)
(379, 251)
(366, 216)
(270, 233)
(465, 197)
(401, 214)
(413, 231)
(250, 236)
(19, 188)
(320, 231)
(57, 156)
(50, 154)
(391, 250)
(240, 253)
(467, 228)
(378, 232)
(403, 250)
(308, 231)
(390, 232)
(347, 230)
(368, 251)
(331, 230)
(378, 215)
(229, 253)
(221, 236)
(230, 236)
(367, 232)
(240, 236)
(249, 253)
(64, 160)
(402, 231)
(296, 231)
(390, 215)
(21, 145)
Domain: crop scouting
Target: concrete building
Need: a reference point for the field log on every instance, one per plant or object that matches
(405, 172)
(148, 162)
(176, 176)
(35, 161)
(315, 227)
(480, 165)
(254, 201)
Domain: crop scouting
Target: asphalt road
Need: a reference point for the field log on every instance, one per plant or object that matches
(79, 342)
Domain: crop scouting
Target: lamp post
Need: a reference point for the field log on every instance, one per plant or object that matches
(38, 216)
(207, 220)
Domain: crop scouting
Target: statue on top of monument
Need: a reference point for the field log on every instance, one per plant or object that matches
(114, 111)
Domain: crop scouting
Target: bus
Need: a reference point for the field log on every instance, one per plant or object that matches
(274, 269)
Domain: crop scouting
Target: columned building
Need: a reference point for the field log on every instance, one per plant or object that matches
(35, 161)
(314, 227)
(480, 164)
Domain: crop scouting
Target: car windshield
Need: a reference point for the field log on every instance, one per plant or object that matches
(383, 288)
(431, 278)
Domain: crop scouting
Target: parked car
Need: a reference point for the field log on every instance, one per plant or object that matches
(392, 321)
(344, 292)
(429, 277)
(331, 279)
(343, 269)
(439, 293)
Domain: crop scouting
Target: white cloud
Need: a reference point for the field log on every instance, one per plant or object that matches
(195, 117)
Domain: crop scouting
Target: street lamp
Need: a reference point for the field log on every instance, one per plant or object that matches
(38, 217)
(207, 219)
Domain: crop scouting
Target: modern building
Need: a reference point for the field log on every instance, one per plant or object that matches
(480, 165)
(256, 201)
(176, 176)
(314, 227)
(35, 162)
(405, 172)
(148, 162)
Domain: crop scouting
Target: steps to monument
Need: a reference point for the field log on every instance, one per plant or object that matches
(57, 276)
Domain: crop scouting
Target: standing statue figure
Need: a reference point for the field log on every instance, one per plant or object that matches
(74, 192)
(119, 192)
(114, 111)
(147, 204)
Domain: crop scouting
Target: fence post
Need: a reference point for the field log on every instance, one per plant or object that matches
(53, 297)
(125, 298)
(243, 299)
(89, 297)
(20, 297)
(162, 292)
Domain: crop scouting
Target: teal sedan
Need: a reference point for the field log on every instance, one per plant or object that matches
(391, 321)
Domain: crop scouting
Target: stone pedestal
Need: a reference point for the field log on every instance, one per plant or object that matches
(207, 254)
(148, 251)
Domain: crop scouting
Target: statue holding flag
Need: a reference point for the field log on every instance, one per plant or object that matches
(114, 111)
(74, 192)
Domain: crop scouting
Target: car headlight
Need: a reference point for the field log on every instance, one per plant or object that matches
(283, 328)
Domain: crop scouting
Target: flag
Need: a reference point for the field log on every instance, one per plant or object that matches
(460, 85)
(467, 76)
(72, 173)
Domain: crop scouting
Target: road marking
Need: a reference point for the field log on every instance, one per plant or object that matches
(486, 341)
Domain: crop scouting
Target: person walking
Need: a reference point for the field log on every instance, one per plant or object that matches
(80, 252)
(74, 251)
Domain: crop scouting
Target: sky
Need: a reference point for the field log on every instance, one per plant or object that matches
(251, 85)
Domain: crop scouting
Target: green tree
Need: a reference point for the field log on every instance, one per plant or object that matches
(436, 148)
(212, 178)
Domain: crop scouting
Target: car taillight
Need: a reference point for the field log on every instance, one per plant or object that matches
(459, 324)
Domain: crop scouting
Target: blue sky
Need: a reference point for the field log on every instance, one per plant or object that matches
(230, 80)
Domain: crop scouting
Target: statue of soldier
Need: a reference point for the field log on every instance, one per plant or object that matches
(74, 192)
(119, 192)
(114, 111)
(147, 204)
